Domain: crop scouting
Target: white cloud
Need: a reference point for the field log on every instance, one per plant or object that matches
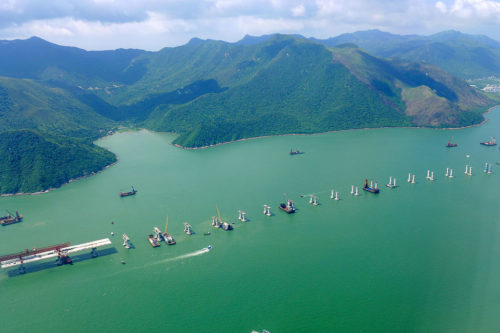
(441, 6)
(152, 24)
(475, 8)
(298, 11)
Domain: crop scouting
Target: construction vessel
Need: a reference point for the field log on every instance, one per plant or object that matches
(153, 241)
(371, 188)
(287, 207)
(223, 224)
(11, 219)
(126, 194)
(491, 142)
(167, 237)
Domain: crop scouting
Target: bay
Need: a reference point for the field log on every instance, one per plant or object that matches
(422, 257)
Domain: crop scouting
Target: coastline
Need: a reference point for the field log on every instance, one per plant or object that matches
(68, 182)
(240, 140)
(333, 131)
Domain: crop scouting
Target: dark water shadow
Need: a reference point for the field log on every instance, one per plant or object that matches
(51, 263)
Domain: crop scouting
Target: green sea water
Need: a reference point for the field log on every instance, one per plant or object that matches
(419, 258)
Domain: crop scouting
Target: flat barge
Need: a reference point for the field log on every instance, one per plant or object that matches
(490, 143)
(371, 188)
(287, 207)
(451, 144)
(152, 240)
(11, 219)
(127, 194)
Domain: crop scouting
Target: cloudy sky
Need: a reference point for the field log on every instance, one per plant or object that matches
(153, 24)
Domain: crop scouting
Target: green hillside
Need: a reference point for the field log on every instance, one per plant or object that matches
(303, 87)
(466, 56)
(55, 100)
(46, 137)
(35, 58)
(29, 104)
(33, 162)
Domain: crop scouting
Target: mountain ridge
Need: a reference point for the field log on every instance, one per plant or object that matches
(210, 92)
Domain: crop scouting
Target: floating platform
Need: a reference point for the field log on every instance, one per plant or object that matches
(25, 258)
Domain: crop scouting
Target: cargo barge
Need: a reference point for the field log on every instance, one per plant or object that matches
(11, 219)
(492, 142)
(126, 194)
(287, 207)
(371, 188)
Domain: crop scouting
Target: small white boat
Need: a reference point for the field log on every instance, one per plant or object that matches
(413, 179)
(451, 173)
(357, 192)
(337, 196)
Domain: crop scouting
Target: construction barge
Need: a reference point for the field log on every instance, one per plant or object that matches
(287, 207)
(490, 143)
(60, 251)
(371, 188)
(127, 194)
(11, 219)
(451, 144)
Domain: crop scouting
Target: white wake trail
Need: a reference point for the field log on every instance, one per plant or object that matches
(154, 263)
(184, 256)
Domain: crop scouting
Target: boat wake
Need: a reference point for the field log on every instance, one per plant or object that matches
(159, 262)
(184, 256)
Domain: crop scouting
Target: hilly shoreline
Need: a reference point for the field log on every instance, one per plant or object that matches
(209, 93)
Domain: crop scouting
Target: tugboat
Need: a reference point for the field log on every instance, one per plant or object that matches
(10, 219)
(126, 194)
(492, 142)
(152, 240)
(167, 237)
(451, 144)
(287, 207)
(295, 152)
(371, 189)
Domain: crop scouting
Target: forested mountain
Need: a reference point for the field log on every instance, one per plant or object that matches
(466, 56)
(55, 100)
(35, 58)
